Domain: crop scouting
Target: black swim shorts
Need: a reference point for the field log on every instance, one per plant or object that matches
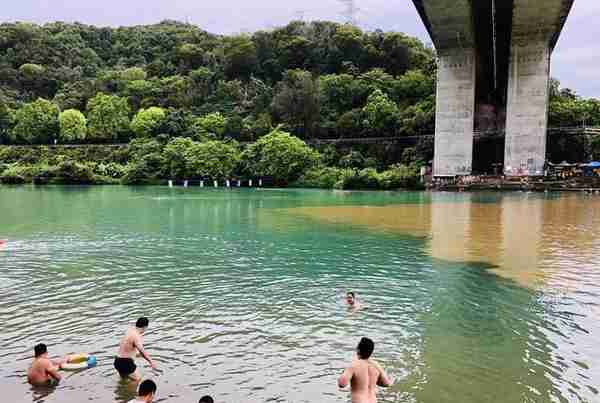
(125, 366)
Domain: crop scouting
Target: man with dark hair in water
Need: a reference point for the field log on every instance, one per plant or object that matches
(128, 347)
(44, 371)
(206, 399)
(146, 392)
(364, 375)
(352, 302)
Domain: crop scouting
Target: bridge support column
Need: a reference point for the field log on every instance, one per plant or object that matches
(455, 110)
(527, 109)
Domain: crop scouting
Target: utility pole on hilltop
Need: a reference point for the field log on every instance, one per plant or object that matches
(350, 11)
(299, 15)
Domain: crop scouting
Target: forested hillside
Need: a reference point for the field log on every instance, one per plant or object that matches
(187, 97)
(319, 80)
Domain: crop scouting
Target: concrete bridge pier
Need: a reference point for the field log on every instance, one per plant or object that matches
(527, 109)
(450, 25)
(455, 111)
(536, 27)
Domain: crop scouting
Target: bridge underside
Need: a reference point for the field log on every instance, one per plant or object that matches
(493, 73)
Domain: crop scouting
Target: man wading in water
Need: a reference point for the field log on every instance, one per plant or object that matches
(129, 346)
(44, 371)
(364, 375)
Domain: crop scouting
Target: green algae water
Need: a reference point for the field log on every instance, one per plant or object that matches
(469, 297)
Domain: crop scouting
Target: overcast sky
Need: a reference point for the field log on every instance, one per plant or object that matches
(575, 62)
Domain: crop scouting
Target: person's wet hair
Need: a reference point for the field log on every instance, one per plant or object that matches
(351, 294)
(148, 387)
(206, 399)
(40, 349)
(142, 322)
(365, 348)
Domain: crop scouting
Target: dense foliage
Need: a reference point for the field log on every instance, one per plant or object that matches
(570, 110)
(315, 79)
(278, 157)
(187, 103)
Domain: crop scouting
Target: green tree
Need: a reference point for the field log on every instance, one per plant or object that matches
(212, 159)
(355, 160)
(32, 72)
(413, 86)
(350, 124)
(133, 74)
(210, 126)
(36, 122)
(418, 118)
(349, 41)
(141, 91)
(381, 113)
(240, 57)
(191, 54)
(6, 119)
(73, 126)
(297, 101)
(280, 156)
(75, 95)
(342, 92)
(235, 127)
(147, 121)
(108, 117)
(177, 123)
(175, 157)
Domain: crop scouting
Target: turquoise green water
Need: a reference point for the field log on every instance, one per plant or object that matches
(470, 297)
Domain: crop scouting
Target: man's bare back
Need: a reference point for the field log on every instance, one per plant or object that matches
(42, 372)
(364, 375)
(128, 346)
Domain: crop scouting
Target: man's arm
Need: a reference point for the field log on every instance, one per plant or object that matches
(384, 380)
(52, 371)
(140, 347)
(345, 378)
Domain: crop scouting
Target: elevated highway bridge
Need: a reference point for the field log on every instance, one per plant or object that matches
(493, 74)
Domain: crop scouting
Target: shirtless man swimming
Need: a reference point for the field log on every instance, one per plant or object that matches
(352, 302)
(128, 348)
(44, 371)
(364, 375)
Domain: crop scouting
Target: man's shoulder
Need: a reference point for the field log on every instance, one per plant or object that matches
(131, 334)
(42, 362)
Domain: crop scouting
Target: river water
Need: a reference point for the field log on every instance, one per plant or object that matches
(469, 297)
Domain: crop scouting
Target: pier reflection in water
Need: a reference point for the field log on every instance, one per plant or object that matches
(470, 297)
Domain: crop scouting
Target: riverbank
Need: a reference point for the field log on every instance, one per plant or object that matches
(500, 183)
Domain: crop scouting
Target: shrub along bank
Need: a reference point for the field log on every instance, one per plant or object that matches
(282, 158)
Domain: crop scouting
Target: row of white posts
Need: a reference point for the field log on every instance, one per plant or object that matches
(216, 183)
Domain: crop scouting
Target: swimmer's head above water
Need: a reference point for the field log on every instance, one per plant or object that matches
(351, 298)
(40, 350)
(142, 324)
(365, 348)
(146, 391)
